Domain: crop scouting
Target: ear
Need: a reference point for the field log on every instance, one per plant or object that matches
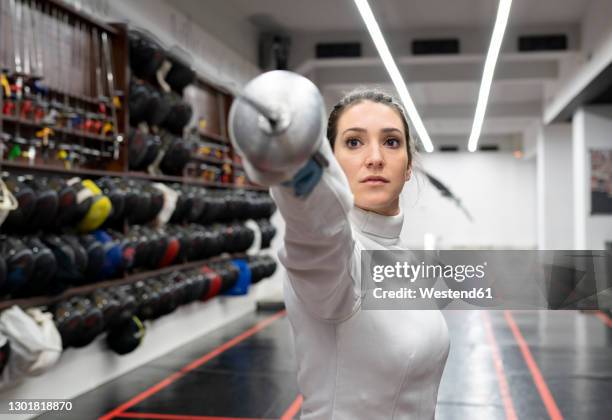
(407, 174)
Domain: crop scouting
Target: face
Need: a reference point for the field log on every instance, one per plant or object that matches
(371, 149)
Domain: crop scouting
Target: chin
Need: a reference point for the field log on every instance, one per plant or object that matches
(374, 202)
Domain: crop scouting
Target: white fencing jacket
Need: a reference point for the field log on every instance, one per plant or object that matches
(352, 363)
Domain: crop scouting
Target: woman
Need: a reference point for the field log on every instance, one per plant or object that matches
(353, 363)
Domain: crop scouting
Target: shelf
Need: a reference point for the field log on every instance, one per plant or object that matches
(206, 159)
(83, 98)
(224, 147)
(191, 181)
(56, 91)
(132, 278)
(4, 164)
(65, 7)
(75, 133)
(214, 137)
(136, 175)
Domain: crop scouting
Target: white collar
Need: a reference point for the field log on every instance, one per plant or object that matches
(376, 224)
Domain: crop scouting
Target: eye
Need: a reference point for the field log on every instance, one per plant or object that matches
(392, 142)
(352, 143)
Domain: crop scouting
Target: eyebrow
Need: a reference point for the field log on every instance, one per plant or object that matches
(363, 130)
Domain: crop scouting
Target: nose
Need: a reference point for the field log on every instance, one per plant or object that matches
(374, 159)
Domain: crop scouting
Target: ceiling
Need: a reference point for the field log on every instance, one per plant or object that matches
(328, 15)
(445, 91)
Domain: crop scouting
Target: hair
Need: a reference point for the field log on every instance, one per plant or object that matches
(373, 95)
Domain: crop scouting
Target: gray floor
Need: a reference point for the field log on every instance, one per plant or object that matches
(562, 370)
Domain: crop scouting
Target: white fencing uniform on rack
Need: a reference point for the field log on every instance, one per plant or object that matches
(352, 363)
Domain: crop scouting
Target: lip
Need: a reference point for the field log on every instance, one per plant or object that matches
(375, 180)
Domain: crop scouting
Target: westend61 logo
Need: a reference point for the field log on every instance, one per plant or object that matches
(486, 279)
(412, 272)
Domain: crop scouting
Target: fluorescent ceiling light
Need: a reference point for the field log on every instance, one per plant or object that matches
(501, 22)
(394, 73)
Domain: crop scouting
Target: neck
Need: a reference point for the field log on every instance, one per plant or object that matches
(377, 224)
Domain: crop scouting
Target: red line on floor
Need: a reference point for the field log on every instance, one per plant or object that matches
(156, 416)
(293, 408)
(547, 398)
(604, 318)
(193, 365)
(504, 389)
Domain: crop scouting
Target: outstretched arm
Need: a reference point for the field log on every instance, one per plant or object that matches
(318, 244)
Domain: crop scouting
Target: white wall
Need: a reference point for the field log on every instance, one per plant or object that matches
(555, 183)
(217, 17)
(595, 25)
(592, 129)
(497, 189)
(212, 58)
(595, 56)
(530, 140)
